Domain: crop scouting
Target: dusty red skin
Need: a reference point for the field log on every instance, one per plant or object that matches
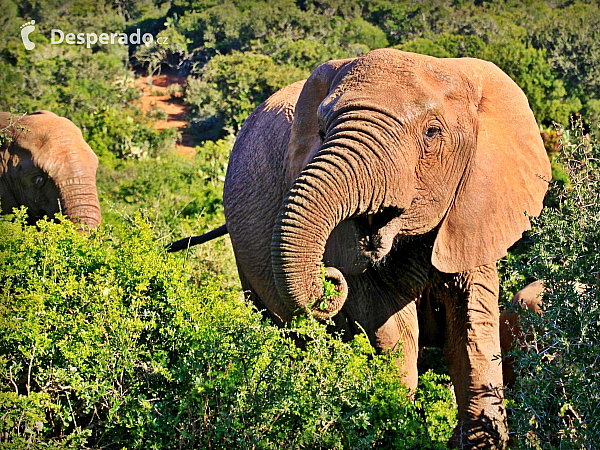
(48, 167)
(410, 176)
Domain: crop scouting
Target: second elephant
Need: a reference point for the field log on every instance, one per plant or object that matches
(46, 165)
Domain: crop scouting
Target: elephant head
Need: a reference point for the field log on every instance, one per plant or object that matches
(392, 145)
(47, 166)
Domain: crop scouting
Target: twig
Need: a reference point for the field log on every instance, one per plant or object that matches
(29, 370)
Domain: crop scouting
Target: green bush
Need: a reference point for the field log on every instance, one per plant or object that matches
(230, 87)
(551, 49)
(530, 69)
(555, 402)
(93, 89)
(105, 342)
(65, 80)
(570, 36)
(182, 196)
(212, 28)
(183, 193)
(126, 133)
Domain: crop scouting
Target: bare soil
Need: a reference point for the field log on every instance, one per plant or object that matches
(156, 95)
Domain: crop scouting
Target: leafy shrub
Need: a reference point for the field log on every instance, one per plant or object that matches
(550, 49)
(213, 28)
(104, 342)
(530, 69)
(113, 132)
(182, 196)
(555, 401)
(306, 54)
(179, 191)
(230, 87)
(571, 38)
(64, 80)
(447, 45)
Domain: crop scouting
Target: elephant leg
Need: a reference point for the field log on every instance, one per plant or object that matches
(472, 351)
(402, 328)
(389, 317)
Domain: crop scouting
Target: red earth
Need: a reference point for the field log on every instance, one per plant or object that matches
(155, 95)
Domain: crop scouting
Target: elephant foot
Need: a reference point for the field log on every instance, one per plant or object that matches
(480, 433)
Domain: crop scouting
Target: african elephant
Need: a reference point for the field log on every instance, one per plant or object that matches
(47, 166)
(528, 298)
(408, 176)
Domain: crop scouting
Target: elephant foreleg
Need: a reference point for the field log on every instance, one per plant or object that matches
(389, 317)
(402, 328)
(472, 350)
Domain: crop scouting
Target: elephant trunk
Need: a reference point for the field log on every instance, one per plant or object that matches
(332, 188)
(80, 200)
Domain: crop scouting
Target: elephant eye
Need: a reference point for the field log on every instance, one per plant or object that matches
(39, 180)
(432, 132)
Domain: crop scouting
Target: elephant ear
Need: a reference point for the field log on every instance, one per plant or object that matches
(305, 140)
(506, 180)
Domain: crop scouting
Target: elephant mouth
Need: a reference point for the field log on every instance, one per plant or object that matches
(379, 233)
(33, 219)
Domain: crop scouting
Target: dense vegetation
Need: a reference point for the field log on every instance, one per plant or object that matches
(105, 341)
(108, 342)
(555, 401)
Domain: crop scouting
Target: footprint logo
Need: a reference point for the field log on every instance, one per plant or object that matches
(26, 30)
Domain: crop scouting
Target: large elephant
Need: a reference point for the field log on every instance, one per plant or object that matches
(408, 176)
(47, 166)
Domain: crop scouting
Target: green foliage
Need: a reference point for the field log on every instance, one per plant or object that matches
(426, 47)
(185, 195)
(111, 133)
(230, 87)
(362, 32)
(329, 290)
(105, 342)
(220, 28)
(305, 54)
(182, 196)
(571, 39)
(555, 401)
(13, 122)
(529, 68)
(63, 80)
(550, 50)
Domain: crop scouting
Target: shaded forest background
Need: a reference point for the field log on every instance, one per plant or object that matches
(122, 346)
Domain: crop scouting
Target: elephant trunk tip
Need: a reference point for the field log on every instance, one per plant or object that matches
(87, 224)
(334, 293)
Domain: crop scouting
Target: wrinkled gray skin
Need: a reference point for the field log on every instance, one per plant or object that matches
(46, 166)
(408, 176)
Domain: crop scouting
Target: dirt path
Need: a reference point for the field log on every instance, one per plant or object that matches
(156, 95)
